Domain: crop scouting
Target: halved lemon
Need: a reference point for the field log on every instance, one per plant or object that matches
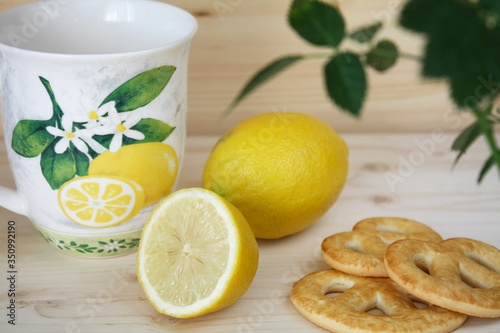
(100, 202)
(197, 254)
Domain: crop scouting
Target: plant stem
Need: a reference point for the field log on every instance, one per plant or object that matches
(386, 53)
(319, 55)
(485, 125)
(410, 56)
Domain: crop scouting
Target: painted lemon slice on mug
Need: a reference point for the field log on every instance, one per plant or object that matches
(100, 202)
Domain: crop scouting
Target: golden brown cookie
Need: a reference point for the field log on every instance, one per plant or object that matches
(361, 251)
(347, 312)
(459, 274)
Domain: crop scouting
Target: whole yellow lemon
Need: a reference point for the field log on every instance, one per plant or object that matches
(282, 170)
(153, 165)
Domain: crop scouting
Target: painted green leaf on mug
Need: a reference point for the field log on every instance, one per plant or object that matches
(57, 168)
(56, 109)
(141, 89)
(30, 137)
(82, 163)
(154, 130)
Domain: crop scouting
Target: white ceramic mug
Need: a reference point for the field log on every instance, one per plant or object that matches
(94, 98)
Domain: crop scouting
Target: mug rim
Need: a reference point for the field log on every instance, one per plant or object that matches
(165, 46)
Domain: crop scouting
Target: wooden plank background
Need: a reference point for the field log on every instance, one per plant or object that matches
(236, 37)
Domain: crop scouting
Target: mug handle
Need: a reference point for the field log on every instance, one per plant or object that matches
(9, 199)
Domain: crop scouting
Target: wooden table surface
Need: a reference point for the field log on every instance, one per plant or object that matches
(390, 175)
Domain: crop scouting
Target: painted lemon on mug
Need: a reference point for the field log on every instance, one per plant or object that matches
(152, 165)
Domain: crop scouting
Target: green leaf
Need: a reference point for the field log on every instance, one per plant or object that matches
(30, 137)
(365, 34)
(141, 89)
(346, 82)
(317, 22)
(133, 243)
(466, 139)
(104, 140)
(420, 15)
(493, 6)
(447, 34)
(102, 243)
(72, 243)
(57, 113)
(383, 56)
(262, 76)
(57, 168)
(82, 163)
(454, 47)
(298, 3)
(462, 47)
(154, 131)
(486, 167)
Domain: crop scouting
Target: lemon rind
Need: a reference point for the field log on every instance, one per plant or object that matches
(207, 304)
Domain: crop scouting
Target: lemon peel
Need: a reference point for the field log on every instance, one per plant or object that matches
(282, 170)
(197, 254)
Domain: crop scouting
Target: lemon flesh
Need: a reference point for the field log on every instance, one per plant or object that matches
(197, 254)
(100, 202)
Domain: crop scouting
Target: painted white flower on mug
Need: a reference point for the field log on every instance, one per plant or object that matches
(112, 246)
(68, 135)
(94, 119)
(78, 138)
(120, 125)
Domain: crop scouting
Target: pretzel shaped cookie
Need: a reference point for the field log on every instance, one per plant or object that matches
(347, 312)
(459, 274)
(361, 251)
